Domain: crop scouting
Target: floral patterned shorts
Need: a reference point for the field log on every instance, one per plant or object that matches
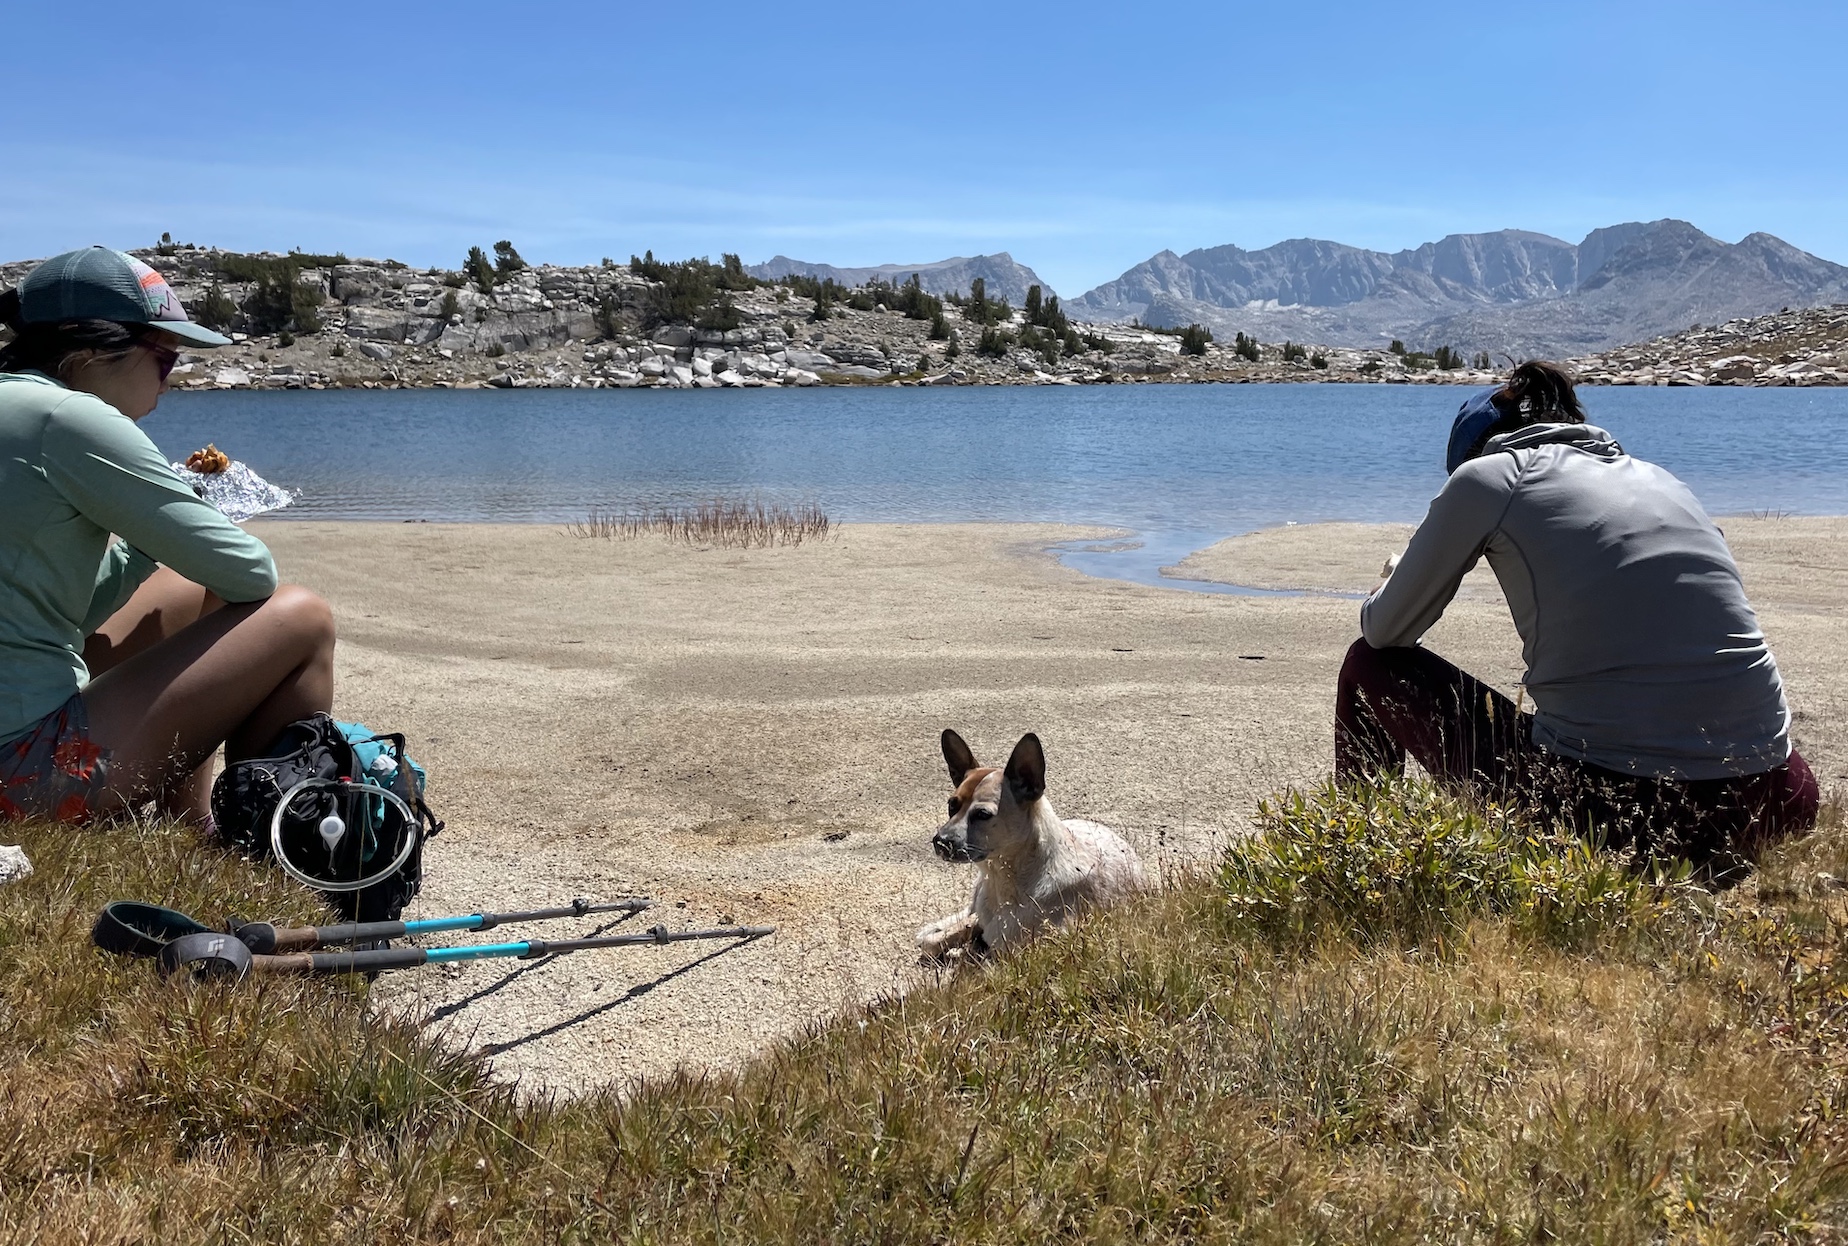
(54, 770)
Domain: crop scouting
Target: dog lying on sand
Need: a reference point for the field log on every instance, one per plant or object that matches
(1032, 867)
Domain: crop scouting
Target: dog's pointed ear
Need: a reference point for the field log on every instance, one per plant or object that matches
(957, 756)
(1026, 770)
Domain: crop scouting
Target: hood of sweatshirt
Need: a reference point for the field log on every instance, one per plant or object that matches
(1587, 437)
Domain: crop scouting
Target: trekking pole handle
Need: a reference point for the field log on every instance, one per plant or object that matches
(341, 962)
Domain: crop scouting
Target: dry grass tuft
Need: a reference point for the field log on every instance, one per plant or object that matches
(734, 522)
(1563, 1052)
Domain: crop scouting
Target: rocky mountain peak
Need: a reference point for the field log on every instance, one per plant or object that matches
(1512, 290)
(1003, 274)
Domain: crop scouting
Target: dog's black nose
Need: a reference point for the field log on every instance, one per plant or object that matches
(945, 846)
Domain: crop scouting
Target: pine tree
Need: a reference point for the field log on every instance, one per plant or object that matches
(978, 301)
(479, 269)
(507, 261)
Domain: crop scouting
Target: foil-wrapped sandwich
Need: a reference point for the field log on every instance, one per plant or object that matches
(231, 486)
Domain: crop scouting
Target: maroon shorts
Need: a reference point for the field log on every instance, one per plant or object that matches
(54, 770)
(1391, 702)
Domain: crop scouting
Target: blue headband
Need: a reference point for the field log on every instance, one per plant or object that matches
(1474, 419)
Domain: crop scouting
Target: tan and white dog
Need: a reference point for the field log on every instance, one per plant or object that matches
(1032, 866)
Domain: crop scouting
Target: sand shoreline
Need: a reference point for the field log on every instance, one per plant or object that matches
(752, 734)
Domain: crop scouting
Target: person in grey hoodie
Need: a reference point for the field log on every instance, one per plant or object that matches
(1659, 718)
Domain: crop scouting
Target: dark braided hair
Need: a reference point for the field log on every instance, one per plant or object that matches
(49, 347)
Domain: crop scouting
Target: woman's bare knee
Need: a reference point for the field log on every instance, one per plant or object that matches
(305, 613)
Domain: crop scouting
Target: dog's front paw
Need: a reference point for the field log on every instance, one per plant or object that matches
(937, 941)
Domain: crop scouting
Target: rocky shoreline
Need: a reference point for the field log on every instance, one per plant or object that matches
(1805, 347)
(374, 324)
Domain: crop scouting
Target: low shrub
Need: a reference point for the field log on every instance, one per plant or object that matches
(215, 310)
(1040, 342)
(995, 343)
(720, 315)
(279, 299)
(276, 269)
(1404, 862)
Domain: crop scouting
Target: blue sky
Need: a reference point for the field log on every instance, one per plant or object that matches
(1081, 137)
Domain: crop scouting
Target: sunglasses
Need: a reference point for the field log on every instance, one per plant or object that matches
(165, 357)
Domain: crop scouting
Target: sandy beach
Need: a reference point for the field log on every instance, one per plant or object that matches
(752, 735)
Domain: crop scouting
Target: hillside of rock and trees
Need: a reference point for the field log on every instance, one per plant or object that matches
(1795, 346)
(303, 320)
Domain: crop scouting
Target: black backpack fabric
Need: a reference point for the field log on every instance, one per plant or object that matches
(245, 796)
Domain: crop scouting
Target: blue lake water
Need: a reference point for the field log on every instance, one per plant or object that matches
(1180, 465)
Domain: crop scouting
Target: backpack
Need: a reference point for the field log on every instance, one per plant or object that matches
(246, 794)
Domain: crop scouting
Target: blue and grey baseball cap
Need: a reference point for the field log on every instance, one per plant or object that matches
(99, 284)
(1475, 417)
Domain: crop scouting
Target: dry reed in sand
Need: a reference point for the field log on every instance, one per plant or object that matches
(737, 522)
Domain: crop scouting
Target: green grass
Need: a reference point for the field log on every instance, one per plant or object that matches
(1388, 1018)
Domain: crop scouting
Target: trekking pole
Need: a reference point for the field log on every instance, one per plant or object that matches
(264, 939)
(138, 929)
(211, 955)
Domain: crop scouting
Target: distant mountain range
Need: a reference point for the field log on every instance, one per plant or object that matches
(1003, 275)
(1523, 293)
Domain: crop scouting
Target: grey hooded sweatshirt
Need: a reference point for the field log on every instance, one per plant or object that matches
(1642, 653)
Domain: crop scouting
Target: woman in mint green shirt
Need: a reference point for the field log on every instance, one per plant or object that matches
(126, 660)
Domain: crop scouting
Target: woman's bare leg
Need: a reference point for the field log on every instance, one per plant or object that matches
(237, 676)
(165, 603)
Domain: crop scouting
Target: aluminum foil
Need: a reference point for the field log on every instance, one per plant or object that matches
(237, 491)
